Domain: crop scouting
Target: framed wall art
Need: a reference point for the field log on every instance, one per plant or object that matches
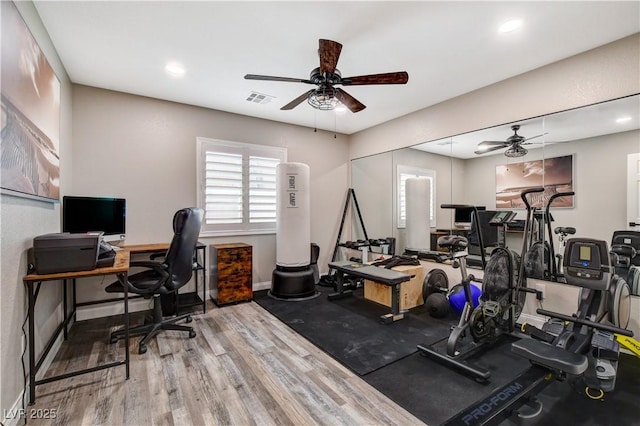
(554, 174)
(30, 135)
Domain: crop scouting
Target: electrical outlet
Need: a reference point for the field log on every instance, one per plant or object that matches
(540, 288)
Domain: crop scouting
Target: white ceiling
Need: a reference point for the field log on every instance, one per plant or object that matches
(448, 48)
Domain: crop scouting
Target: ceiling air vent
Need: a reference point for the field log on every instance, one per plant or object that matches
(259, 98)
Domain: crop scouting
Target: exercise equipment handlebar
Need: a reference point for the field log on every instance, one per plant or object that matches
(524, 194)
(457, 206)
(586, 322)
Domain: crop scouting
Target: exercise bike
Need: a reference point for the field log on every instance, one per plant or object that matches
(499, 306)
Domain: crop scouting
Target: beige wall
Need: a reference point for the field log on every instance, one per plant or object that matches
(601, 74)
(22, 219)
(147, 154)
(600, 182)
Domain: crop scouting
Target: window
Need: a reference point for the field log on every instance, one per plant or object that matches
(237, 186)
(405, 172)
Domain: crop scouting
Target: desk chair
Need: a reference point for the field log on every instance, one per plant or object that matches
(164, 277)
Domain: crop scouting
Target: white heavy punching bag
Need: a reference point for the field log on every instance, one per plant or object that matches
(293, 277)
(418, 208)
(293, 209)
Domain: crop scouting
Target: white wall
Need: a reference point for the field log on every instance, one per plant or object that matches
(21, 220)
(144, 150)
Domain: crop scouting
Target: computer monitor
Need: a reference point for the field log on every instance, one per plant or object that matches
(93, 214)
(490, 233)
(462, 216)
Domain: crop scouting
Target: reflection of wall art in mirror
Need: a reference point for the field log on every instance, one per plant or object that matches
(555, 174)
(29, 147)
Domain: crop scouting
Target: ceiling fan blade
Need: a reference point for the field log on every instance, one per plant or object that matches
(389, 78)
(271, 78)
(329, 53)
(494, 148)
(490, 143)
(349, 101)
(536, 136)
(297, 101)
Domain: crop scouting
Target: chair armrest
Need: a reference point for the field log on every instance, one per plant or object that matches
(156, 255)
(157, 267)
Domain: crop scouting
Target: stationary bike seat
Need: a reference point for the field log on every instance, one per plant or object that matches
(566, 230)
(456, 242)
(551, 356)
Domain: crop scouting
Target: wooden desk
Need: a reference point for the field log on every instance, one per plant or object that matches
(147, 248)
(120, 268)
(383, 276)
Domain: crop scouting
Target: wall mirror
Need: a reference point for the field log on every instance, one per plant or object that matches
(593, 151)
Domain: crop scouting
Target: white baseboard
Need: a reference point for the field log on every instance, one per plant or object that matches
(136, 305)
(109, 309)
(265, 285)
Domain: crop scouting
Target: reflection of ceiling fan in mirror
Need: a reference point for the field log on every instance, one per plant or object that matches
(326, 96)
(513, 143)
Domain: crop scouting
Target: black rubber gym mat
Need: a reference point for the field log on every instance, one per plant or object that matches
(434, 393)
(566, 404)
(350, 329)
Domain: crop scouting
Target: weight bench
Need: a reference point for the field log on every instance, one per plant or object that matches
(378, 275)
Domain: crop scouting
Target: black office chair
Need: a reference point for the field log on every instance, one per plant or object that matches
(166, 277)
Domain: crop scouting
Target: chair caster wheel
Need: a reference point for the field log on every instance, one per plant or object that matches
(188, 319)
(192, 334)
(142, 348)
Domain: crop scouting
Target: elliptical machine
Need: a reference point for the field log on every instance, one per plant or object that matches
(581, 346)
(540, 258)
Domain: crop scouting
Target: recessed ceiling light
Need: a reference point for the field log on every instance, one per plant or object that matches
(623, 119)
(175, 69)
(510, 25)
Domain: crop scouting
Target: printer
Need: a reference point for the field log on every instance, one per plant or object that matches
(65, 252)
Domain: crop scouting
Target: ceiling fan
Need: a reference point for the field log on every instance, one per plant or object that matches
(513, 143)
(326, 96)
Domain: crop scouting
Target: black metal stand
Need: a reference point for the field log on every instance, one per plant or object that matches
(34, 365)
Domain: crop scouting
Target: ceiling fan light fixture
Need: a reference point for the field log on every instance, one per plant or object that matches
(516, 151)
(324, 98)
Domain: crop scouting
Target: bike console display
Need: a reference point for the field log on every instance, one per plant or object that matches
(586, 263)
(502, 217)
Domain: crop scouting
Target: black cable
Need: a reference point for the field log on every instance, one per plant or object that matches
(24, 369)
(24, 351)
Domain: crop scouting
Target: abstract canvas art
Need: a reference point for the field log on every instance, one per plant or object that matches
(30, 136)
(554, 174)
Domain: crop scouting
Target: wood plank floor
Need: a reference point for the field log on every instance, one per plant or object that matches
(245, 367)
